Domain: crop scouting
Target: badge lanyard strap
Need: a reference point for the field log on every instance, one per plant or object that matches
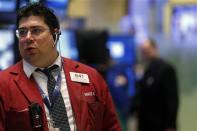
(55, 94)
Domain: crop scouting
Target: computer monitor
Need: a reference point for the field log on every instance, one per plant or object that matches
(184, 22)
(91, 45)
(7, 5)
(57, 3)
(6, 48)
(59, 7)
(7, 12)
(122, 49)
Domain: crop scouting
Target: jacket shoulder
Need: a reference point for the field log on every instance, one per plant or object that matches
(10, 70)
(75, 64)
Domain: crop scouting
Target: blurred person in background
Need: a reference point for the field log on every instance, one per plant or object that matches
(45, 91)
(157, 92)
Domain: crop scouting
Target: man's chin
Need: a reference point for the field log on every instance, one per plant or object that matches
(33, 59)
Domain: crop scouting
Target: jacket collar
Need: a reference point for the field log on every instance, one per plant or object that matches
(26, 85)
(29, 69)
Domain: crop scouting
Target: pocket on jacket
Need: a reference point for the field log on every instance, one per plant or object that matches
(92, 115)
(18, 120)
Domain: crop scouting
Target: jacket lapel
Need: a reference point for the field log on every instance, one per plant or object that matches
(28, 87)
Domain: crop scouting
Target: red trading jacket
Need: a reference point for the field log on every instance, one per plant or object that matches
(92, 112)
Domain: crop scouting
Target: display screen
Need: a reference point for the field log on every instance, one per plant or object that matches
(59, 7)
(7, 5)
(184, 22)
(57, 3)
(122, 48)
(6, 48)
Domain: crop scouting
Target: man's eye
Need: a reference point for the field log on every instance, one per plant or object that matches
(36, 31)
(22, 32)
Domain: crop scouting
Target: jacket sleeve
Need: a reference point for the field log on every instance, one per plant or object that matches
(2, 110)
(2, 117)
(171, 98)
(110, 120)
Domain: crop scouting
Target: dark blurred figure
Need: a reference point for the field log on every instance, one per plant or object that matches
(157, 92)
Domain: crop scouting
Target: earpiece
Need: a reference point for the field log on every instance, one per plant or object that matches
(56, 37)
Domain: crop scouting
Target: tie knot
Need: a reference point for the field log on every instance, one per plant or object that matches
(48, 71)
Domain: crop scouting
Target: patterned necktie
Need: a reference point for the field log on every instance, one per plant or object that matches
(58, 110)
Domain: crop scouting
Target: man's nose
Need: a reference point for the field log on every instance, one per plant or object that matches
(29, 35)
(28, 38)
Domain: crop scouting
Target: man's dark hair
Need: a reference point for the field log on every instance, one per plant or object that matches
(38, 9)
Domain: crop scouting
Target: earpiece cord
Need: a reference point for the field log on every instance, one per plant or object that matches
(58, 46)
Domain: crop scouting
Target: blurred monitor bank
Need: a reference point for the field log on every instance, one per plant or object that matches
(184, 22)
(7, 5)
(6, 48)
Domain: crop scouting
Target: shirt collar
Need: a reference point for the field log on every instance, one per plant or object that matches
(29, 69)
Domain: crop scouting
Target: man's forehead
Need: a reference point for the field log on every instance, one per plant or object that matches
(145, 45)
(32, 21)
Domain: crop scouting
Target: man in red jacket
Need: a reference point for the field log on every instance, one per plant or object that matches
(45, 91)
